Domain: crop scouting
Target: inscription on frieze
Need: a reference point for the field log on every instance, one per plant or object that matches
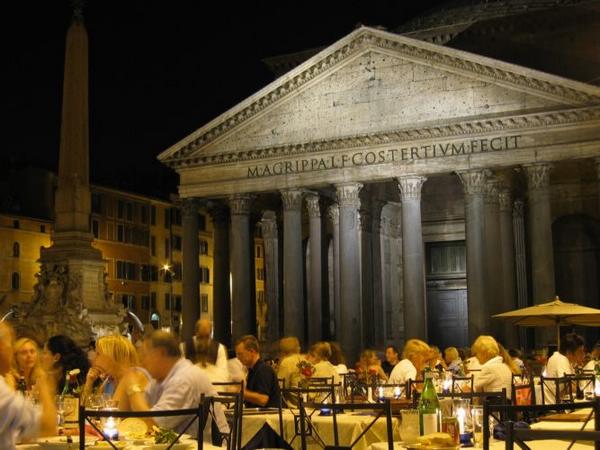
(384, 156)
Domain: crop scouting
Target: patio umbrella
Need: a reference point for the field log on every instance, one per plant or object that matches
(554, 313)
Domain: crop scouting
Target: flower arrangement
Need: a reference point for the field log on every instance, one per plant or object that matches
(305, 371)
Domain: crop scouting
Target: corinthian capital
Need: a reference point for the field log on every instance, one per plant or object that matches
(292, 199)
(491, 191)
(312, 205)
(538, 175)
(268, 225)
(240, 204)
(189, 208)
(474, 181)
(505, 199)
(410, 187)
(347, 195)
(334, 214)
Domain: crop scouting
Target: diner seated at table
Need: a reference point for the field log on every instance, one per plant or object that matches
(515, 356)
(495, 373)
(368, 367)
(594, 358)
(261, 388)
(471, 363)
(415, 357)
(61, 355)
(207, 354)
(289, 357)
(454, 362)
(19, 418)
(115, 356)
(204, 334)
(337, 358)
(176, 384)
(392, 357)
(25, 364)
(319, 355)
(437, 360)
(563, 362)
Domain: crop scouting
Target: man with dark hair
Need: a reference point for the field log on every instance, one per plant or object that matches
(563, 362)
(176, 384)
(391, 359)
(262, 388)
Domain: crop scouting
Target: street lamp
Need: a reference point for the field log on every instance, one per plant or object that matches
(167, 269)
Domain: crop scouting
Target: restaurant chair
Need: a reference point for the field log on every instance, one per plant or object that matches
(581, 383)
(197, 414)
(297, 401)
(380, 410)
(461, 385)
(523, 390)
(514, 435)
(560, 387)
(320, 381)
(233, 402)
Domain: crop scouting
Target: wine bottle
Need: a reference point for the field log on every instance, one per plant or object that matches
(70, 397)
(429, 407)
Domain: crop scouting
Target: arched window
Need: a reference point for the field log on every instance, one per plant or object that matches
(16, 250)
(16, 280)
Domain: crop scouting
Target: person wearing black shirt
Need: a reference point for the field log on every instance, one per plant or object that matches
(391, 359)
(262, 388)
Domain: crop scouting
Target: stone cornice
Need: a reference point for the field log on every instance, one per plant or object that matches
(452, 130)
(365, 39)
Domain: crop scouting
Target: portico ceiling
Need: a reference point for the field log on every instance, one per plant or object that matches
(376, 105)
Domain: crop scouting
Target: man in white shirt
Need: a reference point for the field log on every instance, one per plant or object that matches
(177, 384)
(19, 418)
(571, 354)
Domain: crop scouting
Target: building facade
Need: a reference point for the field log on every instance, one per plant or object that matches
(408, 190)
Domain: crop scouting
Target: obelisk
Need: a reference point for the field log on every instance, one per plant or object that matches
(71, 296)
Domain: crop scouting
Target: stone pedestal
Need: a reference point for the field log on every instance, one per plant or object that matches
(349, 271)
(413, 253)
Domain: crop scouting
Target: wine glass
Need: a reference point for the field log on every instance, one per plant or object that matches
(477, 417)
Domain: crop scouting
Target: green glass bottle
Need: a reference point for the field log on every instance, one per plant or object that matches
(429, 407)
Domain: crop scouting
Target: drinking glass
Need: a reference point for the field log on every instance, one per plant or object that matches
(409, 428)
(477, 416)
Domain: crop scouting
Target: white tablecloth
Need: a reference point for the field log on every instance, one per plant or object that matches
(350, 425)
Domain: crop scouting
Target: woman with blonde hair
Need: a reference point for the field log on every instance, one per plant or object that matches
(289, 357)
(495, 375)
(454, 361)
(319, 355)
(415, 357)
(369, 366)
(26, 364)
(115, 356)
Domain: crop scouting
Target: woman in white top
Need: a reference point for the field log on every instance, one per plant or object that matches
(319, 355)
(207, 353)
(495, 375)
(415, 356)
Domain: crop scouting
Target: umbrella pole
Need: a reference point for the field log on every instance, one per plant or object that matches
(558, 336)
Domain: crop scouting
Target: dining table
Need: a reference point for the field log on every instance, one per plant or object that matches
(349, 423)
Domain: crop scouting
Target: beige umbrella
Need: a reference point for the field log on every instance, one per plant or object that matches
(554, 313)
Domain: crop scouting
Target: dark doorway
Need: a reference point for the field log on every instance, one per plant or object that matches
(447, 294)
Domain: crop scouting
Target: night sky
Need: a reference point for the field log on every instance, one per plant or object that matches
(158, 71)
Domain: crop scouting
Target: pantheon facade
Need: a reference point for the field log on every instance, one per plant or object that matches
(403, 189)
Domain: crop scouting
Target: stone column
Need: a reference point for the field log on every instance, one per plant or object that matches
(315, 288)
(540, 239)
(221, 294)
(493, 262)
(507, 252)
(191, 269)
(413, 253)
(366, 259)
(272, 292)
(597, 161)
(293, 270)
(350, 325)
(474, 186)
(520, 263)
(242, 320)
(378, 310)
(334, 216)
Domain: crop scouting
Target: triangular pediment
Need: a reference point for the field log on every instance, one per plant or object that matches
(374, 82)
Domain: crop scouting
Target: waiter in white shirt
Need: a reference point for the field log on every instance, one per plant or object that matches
(563, 362)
